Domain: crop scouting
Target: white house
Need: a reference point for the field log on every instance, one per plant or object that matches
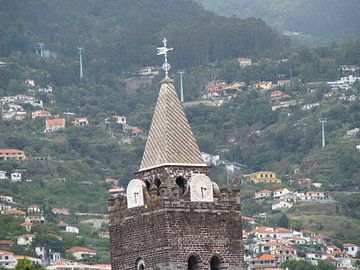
(4, 207)
(351, 249)
(25, 240)
(81, 121)
(281, 205)
(28, 226)
(7, 260)
(33, 209)
(265, 193)
(35, 219)
(3, 175)
(312, 196)
(281, 192)
(5, 198)
(80, 253)
(16, 177)
(48, 254)
(308, 107)
(210, 159)
(317, 185)
(67, 228)
(119, 119)
(30, 82)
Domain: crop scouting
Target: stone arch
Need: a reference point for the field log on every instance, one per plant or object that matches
(216, 262)
(140, 264)
(194, 262)
(180, 181)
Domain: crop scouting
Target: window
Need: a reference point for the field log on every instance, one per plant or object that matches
(140, 264)
(215, 263)
(180, 181)
(193, 263)
(147, 183)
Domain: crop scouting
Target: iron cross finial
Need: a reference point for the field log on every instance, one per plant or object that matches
(164, 51)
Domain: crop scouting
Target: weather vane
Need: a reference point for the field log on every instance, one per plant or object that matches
(164, 51)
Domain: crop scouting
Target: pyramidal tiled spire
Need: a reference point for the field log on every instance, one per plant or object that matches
(170, 140)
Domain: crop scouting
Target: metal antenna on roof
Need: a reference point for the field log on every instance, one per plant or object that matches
(164, 51)
(181, 72)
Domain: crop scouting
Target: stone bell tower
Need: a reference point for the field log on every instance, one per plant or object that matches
(173, 216)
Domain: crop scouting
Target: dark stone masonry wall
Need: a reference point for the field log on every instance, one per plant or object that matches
(169, 228)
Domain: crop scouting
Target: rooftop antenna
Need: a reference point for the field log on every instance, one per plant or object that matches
(323, 121)
(164, 51)
(41, 47)
(181, 72)
(81, 50)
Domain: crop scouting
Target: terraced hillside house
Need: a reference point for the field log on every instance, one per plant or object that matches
(173, 215)
(264, 177)
(55, 124)
(14, 154)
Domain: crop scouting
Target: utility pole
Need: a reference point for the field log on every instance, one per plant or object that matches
(81, 50)
(181, 72)
(323, 121)
(41, 47)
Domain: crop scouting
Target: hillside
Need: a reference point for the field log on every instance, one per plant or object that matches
(119, 36)
(75, 166)
(320, 20)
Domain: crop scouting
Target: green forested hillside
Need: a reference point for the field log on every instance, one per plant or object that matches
(323, 20)
(121, 36)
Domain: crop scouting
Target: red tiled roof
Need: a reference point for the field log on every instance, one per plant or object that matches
(14, 212)
(7, 242)
(282, 230)
(264, 191)
(6, 252)
(26, 224)
(57, 121)
(81, 249)
(10, 150)
(26, 235)
(266, 257)
(348, 245)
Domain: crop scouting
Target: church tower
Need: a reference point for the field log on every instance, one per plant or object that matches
(173, 216)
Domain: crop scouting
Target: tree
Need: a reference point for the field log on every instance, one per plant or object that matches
(297, 265)
(283, 221)
(24, 264)
(323, 265)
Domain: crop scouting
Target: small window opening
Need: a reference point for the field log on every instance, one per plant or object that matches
(193, 263)
(140, 264)
(180, 181)
(148, 185)
(157, 182)
(215, 263)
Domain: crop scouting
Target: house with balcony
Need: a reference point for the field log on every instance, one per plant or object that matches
(264, 177)
(56, 124)
(13, 154)
(81, 253)
(40, 114)
(7, 260)
(81, 121)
